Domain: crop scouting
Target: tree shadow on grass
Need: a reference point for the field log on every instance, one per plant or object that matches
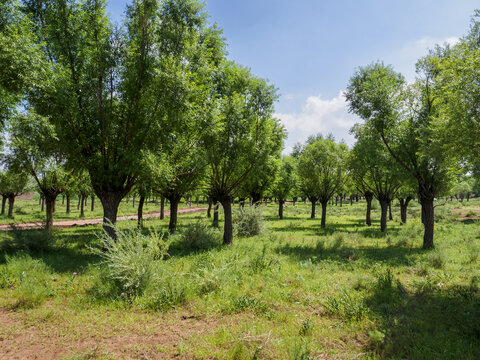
(62, 251)
(367, 255)
(433, 323)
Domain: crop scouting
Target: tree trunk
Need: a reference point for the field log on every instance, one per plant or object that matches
(215, 215)
(92, 201)
(82, 206)
(4, 201)
(49, 204)
(313, 201)
(43, 203)
(110, 202)
(403, 208)
(428, 212)
(140, 211)
(324, 213)
(294, 200)
(228, 225)
(11, 201)
(341, 201)
(390, 217)
(63, 199)
(351, 200)
(368, 198)
(280, 209)
(336, 200)
(197, 200)
(172, 226)
(79, 200)
(209, 210)
(68, 204)
(162, 207)
(384, 211)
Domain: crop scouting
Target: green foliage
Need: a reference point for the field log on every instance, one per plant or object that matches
(349, 306)
(130, 258)
(248, 221)
(198, 236)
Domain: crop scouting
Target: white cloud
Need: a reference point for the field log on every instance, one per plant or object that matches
(319, 115)
(405, 58)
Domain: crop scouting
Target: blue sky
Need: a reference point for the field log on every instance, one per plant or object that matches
(310, 48)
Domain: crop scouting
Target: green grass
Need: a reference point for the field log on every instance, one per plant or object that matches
(296, 291)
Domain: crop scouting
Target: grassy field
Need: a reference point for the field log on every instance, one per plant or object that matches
(294, 292)
(31, 211)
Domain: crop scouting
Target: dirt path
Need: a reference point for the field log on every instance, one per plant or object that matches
(95, 221)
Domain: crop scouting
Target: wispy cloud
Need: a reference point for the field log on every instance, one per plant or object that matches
(319, 115)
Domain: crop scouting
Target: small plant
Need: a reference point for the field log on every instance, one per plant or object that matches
(300, 351)
(199, 236)
(348, 306)
(262, 261)
(129, 259)
(437, 260)
(470, 213)
(248, 221)
(246, 302)
(306, 328)
(376, 339)
(165, 296)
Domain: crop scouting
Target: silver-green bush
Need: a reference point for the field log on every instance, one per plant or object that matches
(248, 221)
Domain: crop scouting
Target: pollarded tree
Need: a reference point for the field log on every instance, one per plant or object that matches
(33, 147)
(285, 182)
(107, 93)
(321, 171)
(406, 193)
(260, 178)
(12, 183)
(374, 168)
(404, 117)
(242, 131)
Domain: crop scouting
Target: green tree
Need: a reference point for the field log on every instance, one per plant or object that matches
(242, 131)
(12, 183)
(321, 171)
(404, 117)
(111, 91)
(285, 182)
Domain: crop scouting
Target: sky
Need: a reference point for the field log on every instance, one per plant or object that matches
(309, 49)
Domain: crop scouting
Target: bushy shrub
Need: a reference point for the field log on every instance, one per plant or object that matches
(248, 221)
(129, 259)
(199, 236)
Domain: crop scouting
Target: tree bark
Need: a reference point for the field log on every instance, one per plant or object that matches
(209, 210)
(92, 203)
(351, 200)
(162, 207)
(68, 204)
(403, 208)
(63, 199)
(369, 198)
(384, 211)
(172, 226)
(4, 201)
(390, 217)
(140, 211)
(313, 200)
(49, 204)
(228, 225)
(11, 202)
(324, 213)
(280, 208)
(428, 212)
(82, 206)
(215, 215)
(110, 202)
(79, 200)
(43, 203)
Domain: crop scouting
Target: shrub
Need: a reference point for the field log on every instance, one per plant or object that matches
(198, 236)
(129, 259)
(248, 221)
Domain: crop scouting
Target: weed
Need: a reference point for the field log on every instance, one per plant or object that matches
(248, 221)
(199, 236)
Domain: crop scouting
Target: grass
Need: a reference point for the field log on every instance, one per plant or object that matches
(296, 291)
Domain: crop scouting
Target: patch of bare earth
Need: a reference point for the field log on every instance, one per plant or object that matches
(60, 334)
(466, 214)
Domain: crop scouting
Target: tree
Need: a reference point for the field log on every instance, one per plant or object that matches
(33, 147)
(12, 183)
(285, 182)
(321, 171)
(110, 90)
(260, 178)
(374, 170)
(241, 131)
(404, 117)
